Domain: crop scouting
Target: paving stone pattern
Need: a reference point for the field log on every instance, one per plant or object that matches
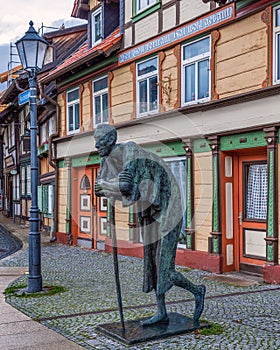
(249, 315)
(8, 243)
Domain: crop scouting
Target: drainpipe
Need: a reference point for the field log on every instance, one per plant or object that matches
(52, 162)
(121, 17)
(1, 170)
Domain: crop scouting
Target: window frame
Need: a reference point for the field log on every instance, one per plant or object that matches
(44, 133)
(138, 14)
(100, 93)
(246, 166)
(73, 104)
(147, 77)
(183, 186)
(276, 59)
(51, 129)
(93, 32)
(25, 181)
(195, 60)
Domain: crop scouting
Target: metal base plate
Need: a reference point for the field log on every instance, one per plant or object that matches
(136, 333)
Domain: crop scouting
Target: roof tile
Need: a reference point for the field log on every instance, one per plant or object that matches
(84, 51)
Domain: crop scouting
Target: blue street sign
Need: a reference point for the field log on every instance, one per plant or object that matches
(23, 98)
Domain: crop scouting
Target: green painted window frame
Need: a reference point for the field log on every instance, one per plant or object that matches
(137, 16)
(44, 199)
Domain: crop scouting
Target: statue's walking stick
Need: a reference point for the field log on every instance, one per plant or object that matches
(115, 256)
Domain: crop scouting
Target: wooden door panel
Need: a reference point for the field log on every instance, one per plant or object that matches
(251, 209)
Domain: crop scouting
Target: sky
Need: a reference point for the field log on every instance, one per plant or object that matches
(16, 15)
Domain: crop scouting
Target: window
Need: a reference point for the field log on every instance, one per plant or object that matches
(147, 86)
(44, 133)
(51, 126)
(276, 46)
(25, 180)
(143, 8)
(195, 70)
(100, 100)
(11, 133)
(178, 168)
(256, 191)
(46, 199)
(85, 183)
(143, 4)
(73, 111)
(96, 26)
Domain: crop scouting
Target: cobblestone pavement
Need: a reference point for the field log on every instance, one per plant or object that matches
(8, 243)
(249, 315)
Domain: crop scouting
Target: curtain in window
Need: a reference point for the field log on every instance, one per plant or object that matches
(256, 196)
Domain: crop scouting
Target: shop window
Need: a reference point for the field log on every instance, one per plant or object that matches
(196, 72)
(100, 100)
(276, 45)
(178, 168)
(73, 111)
(147, 87)
(96, 27)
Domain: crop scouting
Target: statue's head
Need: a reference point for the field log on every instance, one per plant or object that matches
(105, 139)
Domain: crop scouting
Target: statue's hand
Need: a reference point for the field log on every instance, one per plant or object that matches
(98, 187)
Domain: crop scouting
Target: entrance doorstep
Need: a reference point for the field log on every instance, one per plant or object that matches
(136, 333)
(271, 274)
(236, 279)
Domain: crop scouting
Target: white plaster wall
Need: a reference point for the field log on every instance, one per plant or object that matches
(169, 18)
(189, 10)
(128, 37)
(146, 28)
(177, 125)
(128, 11)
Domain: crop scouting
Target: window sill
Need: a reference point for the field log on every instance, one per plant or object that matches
(147, 114)
(145, 12)
(73, 132)
(95, 43)
(197, 102)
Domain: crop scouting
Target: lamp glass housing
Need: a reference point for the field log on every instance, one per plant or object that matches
(32, 50)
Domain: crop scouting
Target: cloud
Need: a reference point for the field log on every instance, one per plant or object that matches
(14, 22)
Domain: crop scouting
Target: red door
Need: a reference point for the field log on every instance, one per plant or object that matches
(89, 213)
(252, 212)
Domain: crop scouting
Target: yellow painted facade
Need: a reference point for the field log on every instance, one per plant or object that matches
(238, 65)
(202, 199)
(62, 198)
(241, 63)
(122, 87)
(122, 222)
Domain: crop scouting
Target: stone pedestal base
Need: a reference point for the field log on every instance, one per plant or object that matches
(136, 333)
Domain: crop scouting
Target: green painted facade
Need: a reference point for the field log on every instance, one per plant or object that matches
(201, 146)
(241, 141)
(170, 149)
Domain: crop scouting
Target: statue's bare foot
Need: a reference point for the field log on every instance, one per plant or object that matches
(158, 318)
(199, 303)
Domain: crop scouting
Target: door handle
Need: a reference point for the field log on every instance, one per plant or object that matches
(240, 218)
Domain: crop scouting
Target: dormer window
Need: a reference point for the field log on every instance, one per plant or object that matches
(96, 26)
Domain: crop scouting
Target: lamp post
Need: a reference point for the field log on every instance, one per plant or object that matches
(32, 49)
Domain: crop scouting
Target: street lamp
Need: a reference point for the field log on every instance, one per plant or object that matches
(32, 49)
